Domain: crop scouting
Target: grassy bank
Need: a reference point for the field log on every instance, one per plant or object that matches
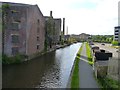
(108, 83)
(89, 54)
(75, 75)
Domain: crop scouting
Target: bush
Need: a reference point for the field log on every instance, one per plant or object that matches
(15, 59)
(5, 59)
(107, 82)
(18, 58)
(115, 43)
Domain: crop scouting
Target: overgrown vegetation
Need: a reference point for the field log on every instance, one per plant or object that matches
(75, 74)
(108, 83)
(115, 43)
(5, 8)
(89, 54)
(13, 60)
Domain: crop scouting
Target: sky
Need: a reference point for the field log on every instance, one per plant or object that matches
(96, 17)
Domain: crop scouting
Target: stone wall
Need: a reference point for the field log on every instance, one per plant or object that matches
(113, 70)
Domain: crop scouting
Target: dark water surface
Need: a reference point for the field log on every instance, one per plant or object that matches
(51, 70)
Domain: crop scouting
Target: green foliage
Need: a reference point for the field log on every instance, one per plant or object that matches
(5, 59)
(45, 45)
(62, 42)
(108, 83)
(115, 43)
(17, 58)
(89, 54)
(75, 75)
(5, 6)
(102, 38)
(13, 60)
(50, 26)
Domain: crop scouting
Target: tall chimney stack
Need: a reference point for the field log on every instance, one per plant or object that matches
(63, 26)
(50, 13)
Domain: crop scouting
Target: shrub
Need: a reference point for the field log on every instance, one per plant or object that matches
(115, 43)
(15, 59)
(5, 59)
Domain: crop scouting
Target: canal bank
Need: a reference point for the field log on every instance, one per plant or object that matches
(73, 81)
(51, 70)
(82, 72)
(17, 59)
(48, 51)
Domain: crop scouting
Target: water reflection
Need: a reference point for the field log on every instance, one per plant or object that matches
(48, 71)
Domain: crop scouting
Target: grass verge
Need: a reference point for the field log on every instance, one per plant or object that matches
(108, 83)
(75, 75)
(89, 54)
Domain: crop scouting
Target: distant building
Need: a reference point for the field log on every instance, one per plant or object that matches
(66, 37)
(75, 36)
(24, 29)
(53, 30)
(84, 36)
(57, 30)
(117, 33)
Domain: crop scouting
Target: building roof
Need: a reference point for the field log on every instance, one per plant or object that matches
(12, 3)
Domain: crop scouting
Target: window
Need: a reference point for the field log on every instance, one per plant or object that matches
(38, 21)
(15, 50)
(15, 39)
(14, 11)
(37, 38)
(15, 26)
(38, 30)
(116, 36)
(38, 47)
(16, 15)
(116, 33)
(116, 30)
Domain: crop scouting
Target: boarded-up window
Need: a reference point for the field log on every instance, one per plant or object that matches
(15, 50)
(15, 26)
(38, 30)
(38, 39)
(15, 38)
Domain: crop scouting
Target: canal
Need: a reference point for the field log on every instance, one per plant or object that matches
(51, 70)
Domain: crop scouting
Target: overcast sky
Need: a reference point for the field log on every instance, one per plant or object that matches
(82, 16)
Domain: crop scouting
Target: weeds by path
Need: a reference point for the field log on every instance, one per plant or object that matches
(89, 54)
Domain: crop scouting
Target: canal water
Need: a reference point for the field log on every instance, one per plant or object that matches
(51, 70)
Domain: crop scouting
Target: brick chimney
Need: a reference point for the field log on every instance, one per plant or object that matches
(63, 26)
